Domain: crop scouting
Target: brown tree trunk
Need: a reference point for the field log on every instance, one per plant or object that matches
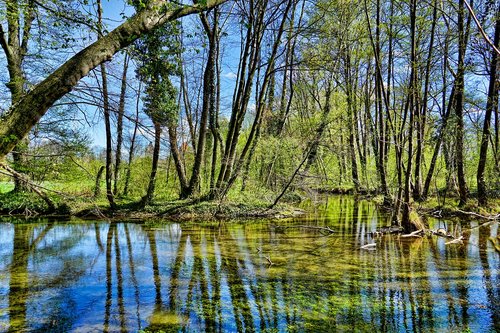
(208, 104)
(176, 155)
(417, 189)
(231, 176)
(406, 221)
(459, 105)
(107, 120)
(119, 124)
(132, 142)
(148, 197)
(15, 48)
(98, 178)
(491, 106)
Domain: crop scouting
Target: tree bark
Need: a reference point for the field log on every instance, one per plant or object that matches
(146, 199)
(208, 104)
(459, 106)
(406, 222)
(98, 178)
(417, 189)
(107, 120)
(15, 48)
(132, 142)
(119, 124)
(491, 106)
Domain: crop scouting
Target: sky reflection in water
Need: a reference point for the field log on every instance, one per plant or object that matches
(123, 277)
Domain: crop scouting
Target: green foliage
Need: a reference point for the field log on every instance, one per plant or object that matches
(21, 203)
(157, 55)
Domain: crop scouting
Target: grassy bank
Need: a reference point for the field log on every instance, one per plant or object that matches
(247, 204)
(243, 205)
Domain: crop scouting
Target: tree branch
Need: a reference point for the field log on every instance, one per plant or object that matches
(485, 36)
(22, 116)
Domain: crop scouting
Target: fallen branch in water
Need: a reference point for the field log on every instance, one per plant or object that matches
(442, 233)
(417, 233)
(369, 246)
(481, 225)
(269, 259)
(486, 217)
(455, 241)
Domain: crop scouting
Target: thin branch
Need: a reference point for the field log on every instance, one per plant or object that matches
(485, 36)
(486, 217)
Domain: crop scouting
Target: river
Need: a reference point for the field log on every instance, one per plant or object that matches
(247, 276)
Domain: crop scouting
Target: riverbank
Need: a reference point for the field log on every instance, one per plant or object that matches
(449, 209)
(30, 205)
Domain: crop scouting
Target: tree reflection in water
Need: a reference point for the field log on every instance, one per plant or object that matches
(214, 277)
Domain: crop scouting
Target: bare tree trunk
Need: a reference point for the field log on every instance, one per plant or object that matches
(459, 106)
(232, 175)
(351, 109)
(132, 142)
(214, 116)
(98, 178)
(381, 97)
(208, 103)
(15, 48)
(417, 189)
(491, 106)
(119, 124)
(146, 199)
(107, 121)
(406, 222)
(176, 155)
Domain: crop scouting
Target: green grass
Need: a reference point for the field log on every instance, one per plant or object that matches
(6, 186)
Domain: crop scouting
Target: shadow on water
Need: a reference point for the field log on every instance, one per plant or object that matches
(218, 277)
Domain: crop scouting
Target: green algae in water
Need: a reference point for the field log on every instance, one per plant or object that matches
(210, 277)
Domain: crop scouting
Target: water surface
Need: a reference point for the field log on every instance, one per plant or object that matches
(96, 276)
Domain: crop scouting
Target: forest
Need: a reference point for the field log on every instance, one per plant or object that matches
(145, 105)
